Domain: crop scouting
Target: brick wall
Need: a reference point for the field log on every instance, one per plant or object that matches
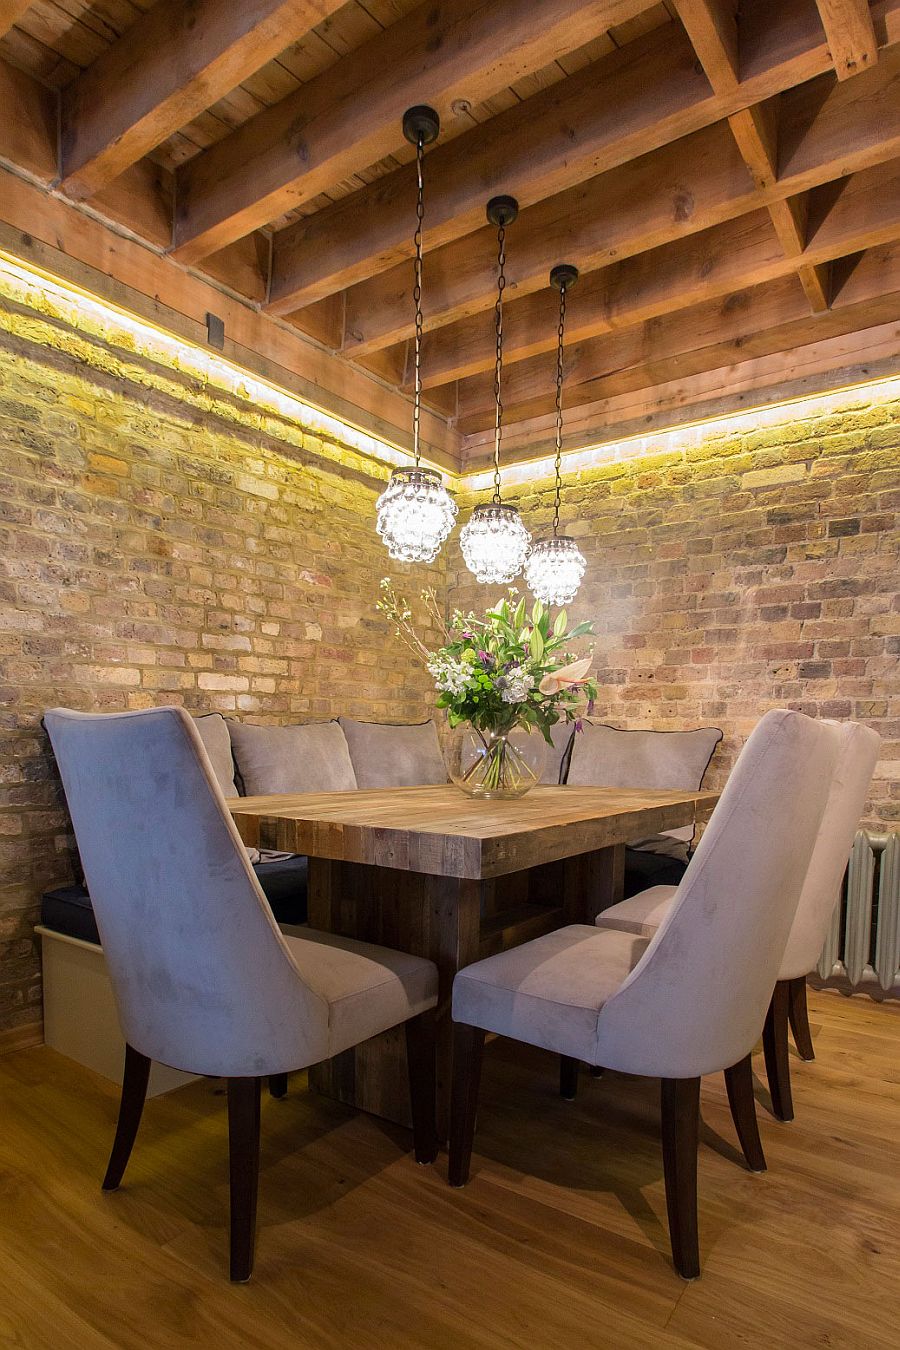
(157, 545)
(741, 573)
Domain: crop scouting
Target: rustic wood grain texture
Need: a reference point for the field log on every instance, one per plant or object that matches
(560, 1238)
(440, 832)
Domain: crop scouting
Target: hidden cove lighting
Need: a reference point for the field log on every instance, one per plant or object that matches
(416, 513)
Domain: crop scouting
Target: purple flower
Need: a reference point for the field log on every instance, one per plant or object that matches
(486, 660)
(590, 706)
(579, 724)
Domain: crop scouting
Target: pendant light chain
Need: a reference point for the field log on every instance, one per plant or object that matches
(498, 363)
(415, 513)
(560, 336)
(417, 293)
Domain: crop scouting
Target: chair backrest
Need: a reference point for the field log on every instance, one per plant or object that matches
(857, 757)
(202, 977)
(696, 1001)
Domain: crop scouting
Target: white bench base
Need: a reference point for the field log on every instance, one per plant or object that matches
(80, 1018)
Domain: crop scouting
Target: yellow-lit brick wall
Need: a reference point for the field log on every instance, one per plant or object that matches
(746, 572)
(157, 547)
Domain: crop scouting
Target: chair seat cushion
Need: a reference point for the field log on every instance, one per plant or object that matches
(641, 914)
(548, 992)
(367, 988)
(68, 909)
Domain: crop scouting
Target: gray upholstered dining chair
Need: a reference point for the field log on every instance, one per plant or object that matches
(692, 999)
(203, 978)
(642, 914)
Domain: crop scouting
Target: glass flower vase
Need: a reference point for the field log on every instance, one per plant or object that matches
(499, 764)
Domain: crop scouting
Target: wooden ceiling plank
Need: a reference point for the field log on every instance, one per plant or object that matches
(11, 11)
(633, 101)
(851, 35)
(28, 120)
(679, 189)
(864, 215)
(630, 101)
(350, 116)
(170, 66)
(667, 358)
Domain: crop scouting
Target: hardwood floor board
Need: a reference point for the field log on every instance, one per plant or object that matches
(560, 1239)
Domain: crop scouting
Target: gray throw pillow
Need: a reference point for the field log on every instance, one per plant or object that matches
(383, 755)
(213, 731)
(604, 756)
(307, 758)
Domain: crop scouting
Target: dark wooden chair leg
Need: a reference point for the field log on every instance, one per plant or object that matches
(680, 1103)
(798, 1016)
(278, 1085)
(421, 1066)
(568, 1077)
(243, 1153)
(131, 1107)
(775, 1047)
(468, 1046)
(739, 1083)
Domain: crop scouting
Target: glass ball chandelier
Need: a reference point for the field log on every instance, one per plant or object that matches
(495, 541)
(416, 513)
(555, 566)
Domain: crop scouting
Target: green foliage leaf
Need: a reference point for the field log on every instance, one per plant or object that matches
(560, 625)
(536, 643)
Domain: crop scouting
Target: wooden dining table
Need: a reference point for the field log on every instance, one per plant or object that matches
(431, 871)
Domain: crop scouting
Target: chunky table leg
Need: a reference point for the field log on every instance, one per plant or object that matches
(435, 917)
(592, 882)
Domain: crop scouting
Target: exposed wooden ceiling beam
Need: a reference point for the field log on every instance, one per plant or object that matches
(712, 28)
(11, 12)
(753, 323)
(626, 104)
(180, 57)
(713, 31)
(737, 388)
(349, 117)
(851, 35)
(689, 186)
(864, 213)
(645, 94)
(68, 241)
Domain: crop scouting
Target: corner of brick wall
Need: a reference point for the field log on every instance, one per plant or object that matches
(154, 552)
(749, 571)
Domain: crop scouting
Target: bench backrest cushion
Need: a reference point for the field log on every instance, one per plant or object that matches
(312, 757)
(213, 731)
(384, 755)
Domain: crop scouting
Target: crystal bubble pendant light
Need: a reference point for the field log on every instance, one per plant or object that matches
(555, 566)
(415, 513)
(495, 541)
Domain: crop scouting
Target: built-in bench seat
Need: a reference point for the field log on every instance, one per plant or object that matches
(68, 909)
(340, 756)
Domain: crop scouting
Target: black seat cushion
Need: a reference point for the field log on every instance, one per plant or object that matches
(644, 869)
(68, 910)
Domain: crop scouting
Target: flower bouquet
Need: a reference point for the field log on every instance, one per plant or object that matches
(505, 680)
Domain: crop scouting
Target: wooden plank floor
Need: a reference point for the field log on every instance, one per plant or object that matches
(560, 1239)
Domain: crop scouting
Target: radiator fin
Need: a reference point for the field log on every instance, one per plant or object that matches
(862, 950)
